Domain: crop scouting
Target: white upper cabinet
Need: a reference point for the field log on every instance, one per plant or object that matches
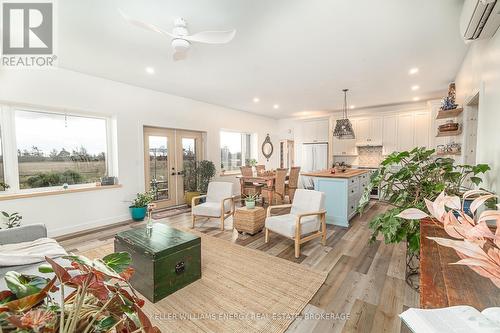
(406, 130)
(377, 130)
(369, 131)
(363, 130)
(315, 130)
(390, 134)
(422, 129)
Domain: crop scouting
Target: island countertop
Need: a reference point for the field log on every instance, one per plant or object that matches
(327, 174)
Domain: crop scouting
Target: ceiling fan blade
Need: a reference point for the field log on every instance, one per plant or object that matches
(212, 37)
(179, 55)
(144, 25)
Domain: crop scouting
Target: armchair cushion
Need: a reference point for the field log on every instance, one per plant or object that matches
(211, 209)
(308, 201)
(218, 191)
(285, 225)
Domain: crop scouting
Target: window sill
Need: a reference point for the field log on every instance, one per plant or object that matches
(230, 173)
(14, 196)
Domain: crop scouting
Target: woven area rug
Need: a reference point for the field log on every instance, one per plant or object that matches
(241, 290)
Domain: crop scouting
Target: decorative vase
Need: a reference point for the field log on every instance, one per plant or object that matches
(250, 204)
(138, 213)
(149, 225)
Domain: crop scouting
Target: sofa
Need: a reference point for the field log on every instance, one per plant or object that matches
(20, 234)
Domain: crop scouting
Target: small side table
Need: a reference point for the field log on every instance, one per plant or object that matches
(249, 220)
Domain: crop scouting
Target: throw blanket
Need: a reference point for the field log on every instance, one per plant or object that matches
(26, 253)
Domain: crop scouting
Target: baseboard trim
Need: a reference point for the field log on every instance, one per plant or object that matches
(88, 228)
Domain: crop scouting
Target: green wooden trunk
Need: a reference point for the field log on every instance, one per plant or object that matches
(165, 259)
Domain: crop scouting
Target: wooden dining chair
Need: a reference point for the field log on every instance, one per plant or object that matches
(246, 171)
(248, 187)
(293, 183)
(278, 189)
(260, 169)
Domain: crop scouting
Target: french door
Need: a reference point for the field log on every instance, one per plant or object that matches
(167, 154)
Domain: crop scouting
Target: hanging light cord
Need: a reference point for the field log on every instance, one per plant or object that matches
(345, 103)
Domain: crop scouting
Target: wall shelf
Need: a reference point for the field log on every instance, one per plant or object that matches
(449, 133)
(442, 114)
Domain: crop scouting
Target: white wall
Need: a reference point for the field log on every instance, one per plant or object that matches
(480, 71)
(133, 107)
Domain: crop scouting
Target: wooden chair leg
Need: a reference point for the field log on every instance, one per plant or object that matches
(266, 235)
(222, 222)
(193, 218)
(323, 229)
(297, 248)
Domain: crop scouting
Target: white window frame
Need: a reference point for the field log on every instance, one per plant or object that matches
(253, 147)
(9, 145)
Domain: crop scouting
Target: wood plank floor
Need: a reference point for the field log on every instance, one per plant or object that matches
(365, 280)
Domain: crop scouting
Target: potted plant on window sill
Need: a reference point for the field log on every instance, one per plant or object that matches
(138, 209)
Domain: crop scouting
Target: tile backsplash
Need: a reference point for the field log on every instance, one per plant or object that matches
(367, 156)
(370, 156)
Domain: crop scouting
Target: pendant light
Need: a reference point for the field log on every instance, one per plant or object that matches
(343, 127)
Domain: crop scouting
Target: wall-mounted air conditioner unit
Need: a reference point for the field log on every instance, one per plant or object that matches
(480, 19)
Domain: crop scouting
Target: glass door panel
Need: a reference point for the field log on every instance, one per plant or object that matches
(189, 153)
(159, 165)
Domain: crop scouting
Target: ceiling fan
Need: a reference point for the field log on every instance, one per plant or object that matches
(180, 38)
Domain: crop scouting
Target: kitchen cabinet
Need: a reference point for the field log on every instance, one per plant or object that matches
(346, 147)
(405, 133)
(369, 131)
(390, 134)
(342, 195)
(316, 130)
(422, 129)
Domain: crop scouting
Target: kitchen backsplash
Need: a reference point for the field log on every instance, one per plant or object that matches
(367, 156)
(370, 156)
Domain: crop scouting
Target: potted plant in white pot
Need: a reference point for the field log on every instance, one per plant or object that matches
(138, 209)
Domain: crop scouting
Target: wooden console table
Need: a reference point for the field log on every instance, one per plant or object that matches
(442, 284)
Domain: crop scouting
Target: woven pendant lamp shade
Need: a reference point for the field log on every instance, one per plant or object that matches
(343, 127)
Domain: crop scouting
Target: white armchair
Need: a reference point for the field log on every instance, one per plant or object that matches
(307, 218)
(219, 203)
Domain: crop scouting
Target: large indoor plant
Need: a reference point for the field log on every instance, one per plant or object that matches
(206, 171)
(474, 242)
(92, 296)
(190, 181)
(138, 209)
(404, 179)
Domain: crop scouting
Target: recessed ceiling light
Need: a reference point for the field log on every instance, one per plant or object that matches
(413, 71)
(415, 87)
(352, 106)
(276, 106)
(416, 99)
(256, 100)
(150, 70)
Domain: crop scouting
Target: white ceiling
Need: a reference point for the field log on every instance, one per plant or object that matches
(296, 53)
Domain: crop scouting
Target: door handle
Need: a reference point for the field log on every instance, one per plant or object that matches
(180, 173)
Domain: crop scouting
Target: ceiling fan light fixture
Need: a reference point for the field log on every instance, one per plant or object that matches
(343, 127)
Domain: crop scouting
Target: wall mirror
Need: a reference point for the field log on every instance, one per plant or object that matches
(267, 147)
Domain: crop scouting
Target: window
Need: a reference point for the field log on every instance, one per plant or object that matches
(2, 175)
(57, 149)
(235, 150)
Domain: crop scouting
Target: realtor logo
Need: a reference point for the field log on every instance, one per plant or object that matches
(27, 29)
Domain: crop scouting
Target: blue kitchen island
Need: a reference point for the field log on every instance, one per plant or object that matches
(343, 190)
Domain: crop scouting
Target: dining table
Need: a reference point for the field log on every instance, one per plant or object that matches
(268, 180)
